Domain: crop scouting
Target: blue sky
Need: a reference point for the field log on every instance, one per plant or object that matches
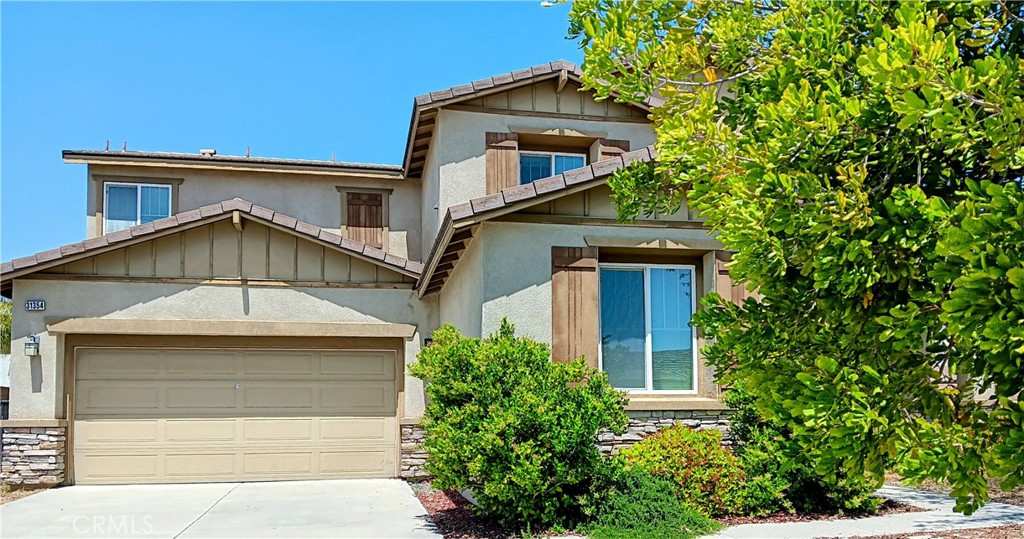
(287, 79)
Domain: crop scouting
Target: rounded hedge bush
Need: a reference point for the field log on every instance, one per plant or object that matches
(709, 475)
(514, 426)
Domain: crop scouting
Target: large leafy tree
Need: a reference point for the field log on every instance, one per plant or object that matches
(863, 160)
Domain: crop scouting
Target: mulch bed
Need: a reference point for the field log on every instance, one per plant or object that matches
(887, 507)
(454, 517)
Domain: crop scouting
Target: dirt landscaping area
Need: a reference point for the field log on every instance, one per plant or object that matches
(9, 495)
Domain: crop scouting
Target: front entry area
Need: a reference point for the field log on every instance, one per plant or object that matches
(188, 415)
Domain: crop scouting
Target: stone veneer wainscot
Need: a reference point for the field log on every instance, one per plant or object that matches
(641, 425)
(33, 456)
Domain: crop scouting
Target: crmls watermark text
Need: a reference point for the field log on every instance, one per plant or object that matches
(113, 525)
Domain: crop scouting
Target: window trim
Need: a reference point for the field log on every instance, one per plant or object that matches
(551, 156)
(648, 342)
(138, 199)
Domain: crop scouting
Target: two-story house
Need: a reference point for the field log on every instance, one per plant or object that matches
(240, 318)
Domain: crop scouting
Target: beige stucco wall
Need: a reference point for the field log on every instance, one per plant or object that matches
(308, 197)
(458, 168)
(461, 301)
(517, 265)
(37, 383)
(429, 188)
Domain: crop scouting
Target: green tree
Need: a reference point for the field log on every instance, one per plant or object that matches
(5, 326)
(863, 160)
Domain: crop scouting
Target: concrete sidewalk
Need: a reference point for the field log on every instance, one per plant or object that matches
(938, 516)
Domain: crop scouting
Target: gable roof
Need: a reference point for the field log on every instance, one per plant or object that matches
(190, 219)
(460, 221)
(424, 110)
(232, 162)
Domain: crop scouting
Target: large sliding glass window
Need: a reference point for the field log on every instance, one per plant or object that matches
(647, 343)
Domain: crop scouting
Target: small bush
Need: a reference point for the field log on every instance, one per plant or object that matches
(778, 477)
(517, 428)
(631, 503)
(708, 474)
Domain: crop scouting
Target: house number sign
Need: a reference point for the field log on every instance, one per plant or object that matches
(35, 305)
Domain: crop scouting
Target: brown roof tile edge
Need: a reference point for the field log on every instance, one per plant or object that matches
(213, 210)
(430, 98)
(521, 194)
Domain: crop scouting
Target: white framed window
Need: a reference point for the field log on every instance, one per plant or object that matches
(128, 204)
(647, 343)
(536, 165)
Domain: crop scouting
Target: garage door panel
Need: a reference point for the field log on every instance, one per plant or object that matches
(294, 463)
(279, 430)
(199, 430)
(363, 397)
(209, 397)
(120, 363)
(234, 415)
(120, 466)
(106, 397)
(120, 432)
(203, 363)
(283, 363)
(200, 465)
(369, 429)
(362, 461)
(359, 365)
(279, 396)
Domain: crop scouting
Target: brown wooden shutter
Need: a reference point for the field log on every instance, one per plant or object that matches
(502, 161)
(366, 218)
(612, 148)
(574, 306)
(725, 287)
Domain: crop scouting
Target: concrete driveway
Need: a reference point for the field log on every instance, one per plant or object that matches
(342, 508)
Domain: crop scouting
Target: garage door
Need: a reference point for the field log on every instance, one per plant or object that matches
(183, 415)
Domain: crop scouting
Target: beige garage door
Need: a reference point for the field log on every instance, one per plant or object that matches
(174, 415)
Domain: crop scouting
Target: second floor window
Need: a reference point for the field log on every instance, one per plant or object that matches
(536, 165)
(127, 205)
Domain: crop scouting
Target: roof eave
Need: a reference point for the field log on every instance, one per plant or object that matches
(115, 158)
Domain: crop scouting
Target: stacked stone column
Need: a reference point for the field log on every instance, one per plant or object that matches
(33, 456)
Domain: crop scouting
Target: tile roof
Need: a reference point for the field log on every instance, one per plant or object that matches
(423, 117)
(511, 199)
(524, 195)
(469, 90)
(21, 266)
(226, 160)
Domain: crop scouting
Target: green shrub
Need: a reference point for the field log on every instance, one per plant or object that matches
(778, 476)
(517, 428)
(707, 473)
(630, 503)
